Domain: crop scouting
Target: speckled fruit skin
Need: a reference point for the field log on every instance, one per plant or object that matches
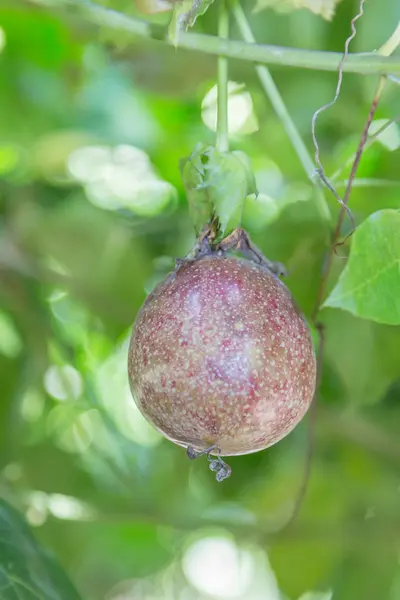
(220, 354)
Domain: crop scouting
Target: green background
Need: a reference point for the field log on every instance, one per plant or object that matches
(92, 214)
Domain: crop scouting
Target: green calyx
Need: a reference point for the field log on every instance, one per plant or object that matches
(217, 185)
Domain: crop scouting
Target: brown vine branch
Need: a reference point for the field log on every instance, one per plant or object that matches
(388, 48)
(356, 162)
(346, 197)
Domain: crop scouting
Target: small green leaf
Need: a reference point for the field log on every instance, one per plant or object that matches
(369, 286)
(324, 8)
(217, 184)
(184, 16)
(27, 571)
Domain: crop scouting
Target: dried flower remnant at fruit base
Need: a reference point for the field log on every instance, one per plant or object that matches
(221, 358)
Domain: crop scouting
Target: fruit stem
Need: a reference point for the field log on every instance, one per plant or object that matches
(221, 469)
(193, 454)
(222, 142)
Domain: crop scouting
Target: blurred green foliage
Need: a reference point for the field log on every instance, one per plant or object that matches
(27, 570)
(93, 214)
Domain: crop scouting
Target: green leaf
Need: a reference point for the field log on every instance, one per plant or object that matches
(27, 571)
(369, 286)
(324, 8)
(217, 184)
(184, 16)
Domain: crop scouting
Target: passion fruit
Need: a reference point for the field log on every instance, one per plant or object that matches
(221, 358)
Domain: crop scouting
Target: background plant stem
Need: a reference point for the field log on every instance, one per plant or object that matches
(222, 114)
(279, 106)
(367, 63)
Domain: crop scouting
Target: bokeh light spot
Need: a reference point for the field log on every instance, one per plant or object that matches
(32, 406)
(241, 118)
(63, 382)
(82, 430)
(12, 471)
(40, 504)
(216, 566)
(36, 513)
(317, 595)
(135, 425)
(9, 159)
(2, 39)
(260, 211)
(72, 431)
(116, 396)
(120, 177)
(68, 507)
(10, 341)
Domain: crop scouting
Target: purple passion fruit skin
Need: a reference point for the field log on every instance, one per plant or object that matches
(220, 355)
